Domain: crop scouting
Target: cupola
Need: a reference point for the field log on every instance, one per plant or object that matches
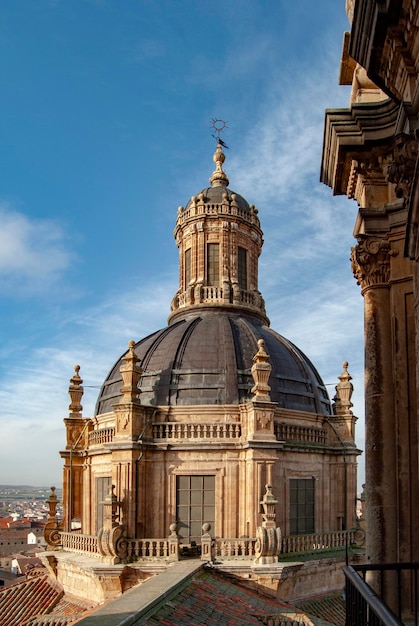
(219, 239)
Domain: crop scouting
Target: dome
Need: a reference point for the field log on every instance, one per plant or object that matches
(205, 358)
(214, 195)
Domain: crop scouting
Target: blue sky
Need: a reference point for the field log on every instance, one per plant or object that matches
(105, 131)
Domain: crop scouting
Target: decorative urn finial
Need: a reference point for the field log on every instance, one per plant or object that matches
(75, 392)
(131, 373)
(261, 370)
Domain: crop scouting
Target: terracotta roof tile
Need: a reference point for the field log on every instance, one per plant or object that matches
(28, 598)
(330, 609)
(212, 598)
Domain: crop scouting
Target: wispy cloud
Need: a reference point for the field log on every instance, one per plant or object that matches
(34, 392)
(33, 253)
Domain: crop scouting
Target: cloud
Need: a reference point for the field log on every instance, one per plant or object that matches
(34, 253)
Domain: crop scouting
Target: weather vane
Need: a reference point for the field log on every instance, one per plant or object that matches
(219, 126)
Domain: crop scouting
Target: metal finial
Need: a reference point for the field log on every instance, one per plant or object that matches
(219, 125)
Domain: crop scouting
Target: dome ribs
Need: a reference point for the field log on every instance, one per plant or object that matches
(205, 359)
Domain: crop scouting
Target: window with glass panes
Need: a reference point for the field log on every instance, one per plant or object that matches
(187, 267)
(242, 267)
(213, 264)
(103, 485)
(301, 506)
(195, 505)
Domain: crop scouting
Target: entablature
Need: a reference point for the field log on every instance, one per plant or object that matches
(364, 133)
(384, 40)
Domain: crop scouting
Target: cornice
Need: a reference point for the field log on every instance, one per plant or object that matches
(374, 34)
(351, 134)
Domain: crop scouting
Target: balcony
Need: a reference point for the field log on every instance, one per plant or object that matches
(364, 606)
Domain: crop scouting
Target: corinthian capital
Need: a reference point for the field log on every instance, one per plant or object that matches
(370, 260)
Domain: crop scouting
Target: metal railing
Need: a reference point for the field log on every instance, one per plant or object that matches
(365, 607)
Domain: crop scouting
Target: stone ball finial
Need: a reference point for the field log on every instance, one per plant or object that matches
(206, 527)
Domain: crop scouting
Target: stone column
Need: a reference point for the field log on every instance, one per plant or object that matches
(371, 267)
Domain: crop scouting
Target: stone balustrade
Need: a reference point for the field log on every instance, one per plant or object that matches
(235, 548)
(101, 436)
(223, 548)
(222, 208)
(76, 542)
(148, 549)
(318, 541)
(210, 293)
(304, 434)
(215, 430)
(187, 430)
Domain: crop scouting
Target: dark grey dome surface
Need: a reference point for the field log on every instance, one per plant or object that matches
(215, 195)
(206, 358)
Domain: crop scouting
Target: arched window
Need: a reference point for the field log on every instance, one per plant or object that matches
(187, 268)
(242, 267)
(213, 264)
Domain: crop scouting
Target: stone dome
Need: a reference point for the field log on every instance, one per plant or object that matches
(205, 358)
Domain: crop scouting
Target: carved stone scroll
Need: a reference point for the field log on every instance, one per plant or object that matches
(370, 260)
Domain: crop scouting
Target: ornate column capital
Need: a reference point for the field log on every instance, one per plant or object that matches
(370, 260)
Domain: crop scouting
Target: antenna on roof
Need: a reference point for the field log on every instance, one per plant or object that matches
(219, 126)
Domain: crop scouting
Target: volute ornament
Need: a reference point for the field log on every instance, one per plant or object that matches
(370, 260)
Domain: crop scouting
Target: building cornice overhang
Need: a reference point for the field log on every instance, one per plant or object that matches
(349, 134)
(373, 32)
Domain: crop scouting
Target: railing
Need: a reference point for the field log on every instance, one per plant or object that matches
(235, 548)
(148, 548)
(305, 434)
(212, 294)
(207, 294)
(225, 548)
(101, 436)
(76, 542)
(365, 607)
(215, 208)
(318, 541)
(244, 548)
(183, 430)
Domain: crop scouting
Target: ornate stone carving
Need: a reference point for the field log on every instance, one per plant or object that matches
(131, 374)
(344, 389)
(75, 391)
(261, 370)
(370, 260)
(111, 538)
(268, 537)
(52, 527)
(402, 169)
